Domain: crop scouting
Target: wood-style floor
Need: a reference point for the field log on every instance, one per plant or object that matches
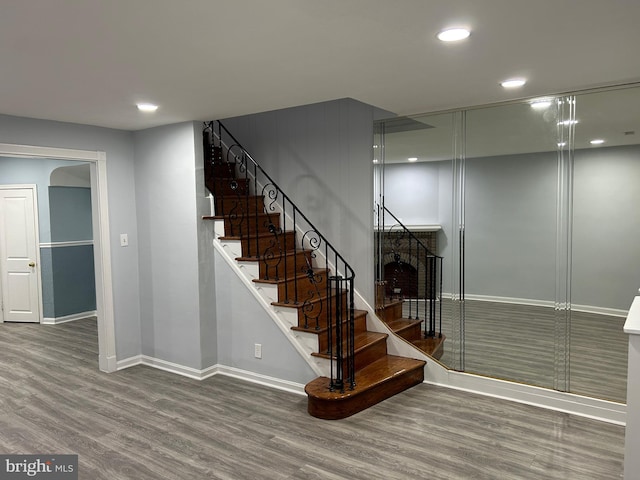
(518, 342)
(142, 423)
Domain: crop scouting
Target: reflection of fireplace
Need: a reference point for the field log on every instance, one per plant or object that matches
(401, 280)
(404, 273)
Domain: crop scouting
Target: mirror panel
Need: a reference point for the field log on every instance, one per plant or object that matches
(416, 179)
(511, 186)
(538, 228)
(606, 227)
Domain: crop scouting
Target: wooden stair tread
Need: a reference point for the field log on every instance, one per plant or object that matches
(433, 346)
(261, 258)
(361, 341)
(356, 315)
(256, 235)
(377, 381)
(321, 298)
(276, 281)
(400, 324)
(380, 371)
(389, 303)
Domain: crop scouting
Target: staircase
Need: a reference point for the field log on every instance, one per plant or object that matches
(308, 280)
(419, 319)
(390, 311)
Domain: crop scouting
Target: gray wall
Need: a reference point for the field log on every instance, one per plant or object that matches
(70, 214)
(606, 227)
(320, 155)
(511, 225)
(242, 323)
(413, 189)
(72, 266)
(168, 250)
(118, 146)
(74, 289)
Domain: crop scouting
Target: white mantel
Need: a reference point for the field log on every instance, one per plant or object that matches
(413, 228)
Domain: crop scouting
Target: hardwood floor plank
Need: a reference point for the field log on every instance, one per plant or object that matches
(144, 423)
(516, 342)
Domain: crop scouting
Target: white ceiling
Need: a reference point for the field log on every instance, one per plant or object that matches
(90, 61)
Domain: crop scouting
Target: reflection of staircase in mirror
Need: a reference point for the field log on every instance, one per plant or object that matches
(408, 291)
(411, 329)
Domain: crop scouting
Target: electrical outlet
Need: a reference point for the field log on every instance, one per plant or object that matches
(257, 350)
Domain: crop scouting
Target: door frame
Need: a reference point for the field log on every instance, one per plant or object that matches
(36, 219)
(101, 238)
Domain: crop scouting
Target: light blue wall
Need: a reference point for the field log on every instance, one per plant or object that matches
(33, 171)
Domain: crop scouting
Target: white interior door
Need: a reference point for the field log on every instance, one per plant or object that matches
(19, 271)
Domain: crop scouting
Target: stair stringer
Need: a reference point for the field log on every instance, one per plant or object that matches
(305, 343)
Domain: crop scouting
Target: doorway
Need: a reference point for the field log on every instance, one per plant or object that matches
(102, 250)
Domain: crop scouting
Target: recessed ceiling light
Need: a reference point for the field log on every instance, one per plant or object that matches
(147, 107)
(513, 83)
(597, 141)
(541, 103)
(453, 34)
(412, 159)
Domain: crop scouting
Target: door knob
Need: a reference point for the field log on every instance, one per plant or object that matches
(32, 264)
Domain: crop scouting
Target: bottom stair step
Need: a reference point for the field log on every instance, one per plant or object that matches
(376, 382)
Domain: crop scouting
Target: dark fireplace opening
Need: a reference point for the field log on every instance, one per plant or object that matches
(401, 280)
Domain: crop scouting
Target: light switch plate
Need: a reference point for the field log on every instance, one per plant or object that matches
(124, 240)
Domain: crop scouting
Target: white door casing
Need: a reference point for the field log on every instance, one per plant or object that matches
(19, 254)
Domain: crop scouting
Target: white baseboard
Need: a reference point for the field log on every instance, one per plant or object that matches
(107, 364)
(196, 374)
(603, 410)
(277, 383)
(594, 408)
(68, 318)
(613, 312)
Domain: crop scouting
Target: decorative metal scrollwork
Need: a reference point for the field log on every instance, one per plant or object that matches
(270, 193)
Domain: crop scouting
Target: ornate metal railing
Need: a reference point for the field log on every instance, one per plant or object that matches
(407, 270)
(273, 231)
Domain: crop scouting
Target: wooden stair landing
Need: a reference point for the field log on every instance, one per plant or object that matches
(377, 381)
